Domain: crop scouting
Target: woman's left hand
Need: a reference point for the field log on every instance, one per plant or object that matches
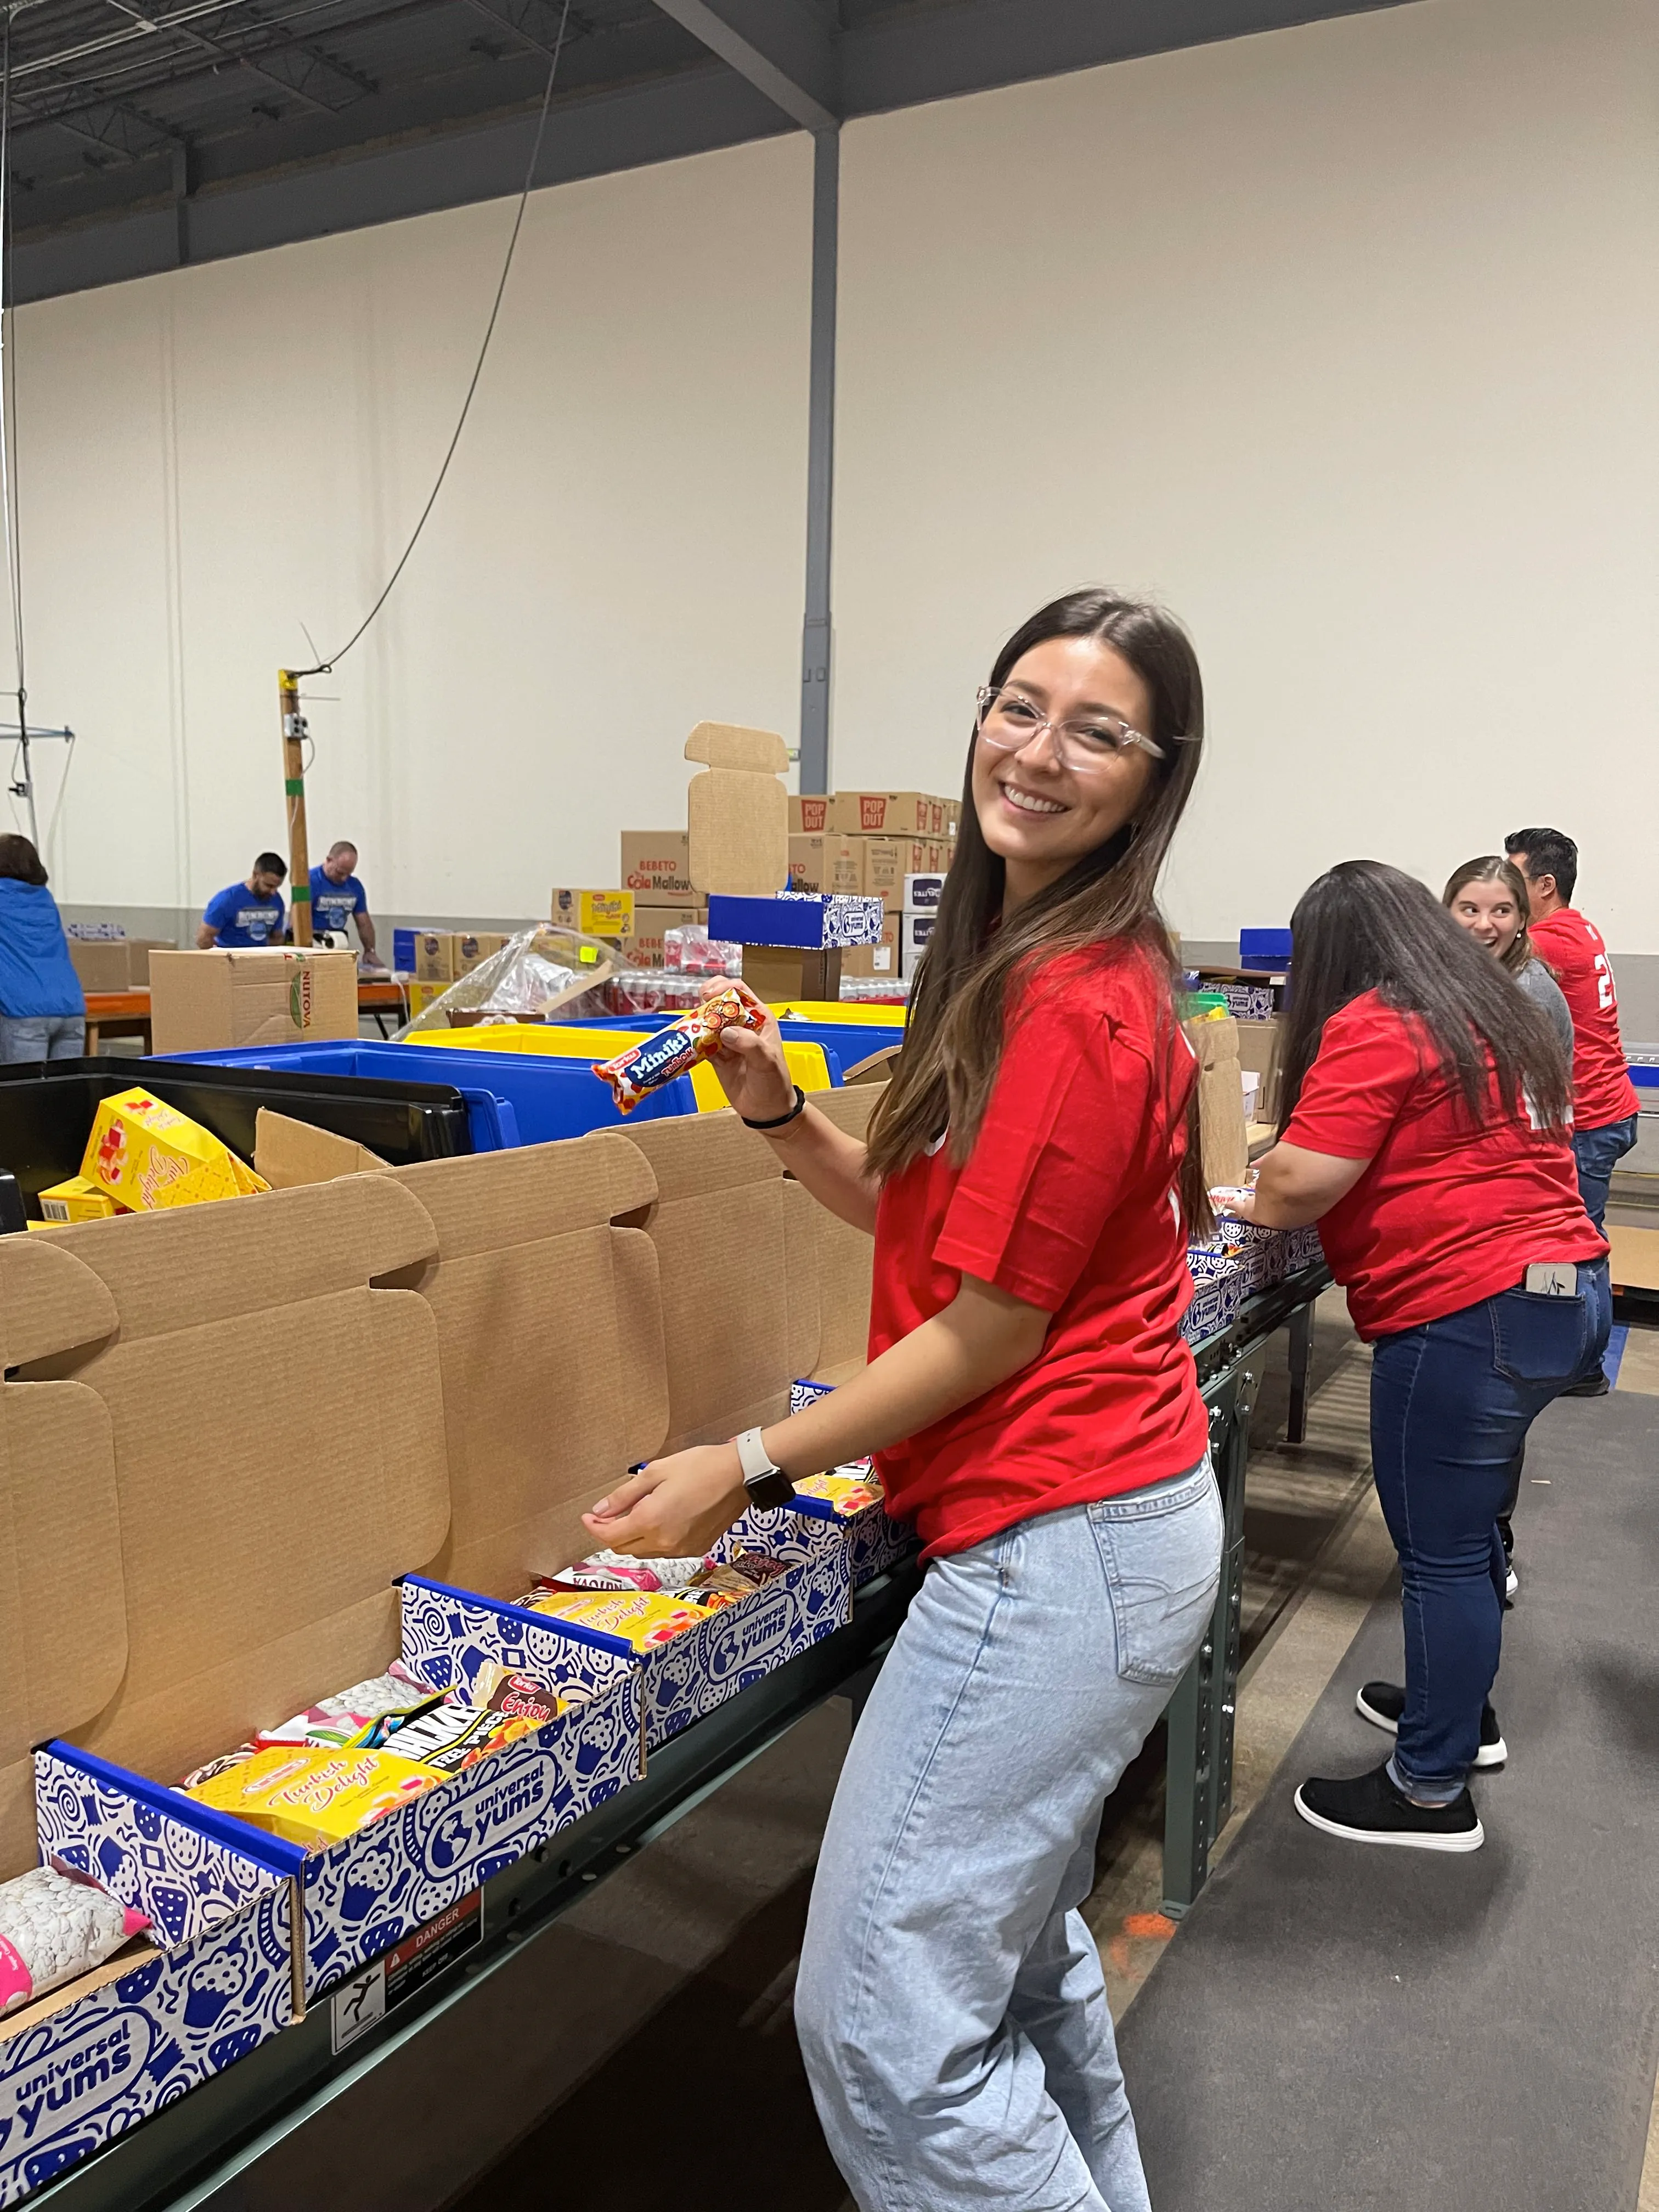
(674, 1506)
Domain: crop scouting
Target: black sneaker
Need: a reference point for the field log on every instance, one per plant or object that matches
(1593, 1386)
(1382, 1703)
(1369, 1809)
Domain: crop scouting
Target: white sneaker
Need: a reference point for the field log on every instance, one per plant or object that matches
(1511, 1582)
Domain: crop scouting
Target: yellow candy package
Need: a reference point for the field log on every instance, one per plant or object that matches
(147, 1156)
(845, 1490)
(643, 1618)
(314, 1798)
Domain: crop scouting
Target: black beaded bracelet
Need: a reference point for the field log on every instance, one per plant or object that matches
(782, 1121)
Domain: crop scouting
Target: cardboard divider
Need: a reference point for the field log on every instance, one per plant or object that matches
(717, 1223)
(83, 2063)
(549, 1343)
(844, 1258)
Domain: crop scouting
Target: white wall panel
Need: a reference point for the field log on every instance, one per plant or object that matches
(1342, 340)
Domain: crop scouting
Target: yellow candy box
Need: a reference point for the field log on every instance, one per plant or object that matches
(643, 1618)
(314, 1797)
(149, 1156)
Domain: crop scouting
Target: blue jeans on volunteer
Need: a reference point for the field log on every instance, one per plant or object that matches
(951, 2004)
(41, 1036)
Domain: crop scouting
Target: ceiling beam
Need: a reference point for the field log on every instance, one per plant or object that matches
(782, 49)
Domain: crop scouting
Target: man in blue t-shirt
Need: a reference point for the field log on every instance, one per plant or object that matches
(337, 896)
(247, 913)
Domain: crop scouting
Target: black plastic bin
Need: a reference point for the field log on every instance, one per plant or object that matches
(47, 1108)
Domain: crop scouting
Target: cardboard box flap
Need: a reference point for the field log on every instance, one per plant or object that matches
(51, 1302)
(728, 744)
(845, 1255)
(737, 811)
(62, 1611)
(279, 1454)
(718, 1227)
(549, 1342)
(289, 1154)
(800, 1278)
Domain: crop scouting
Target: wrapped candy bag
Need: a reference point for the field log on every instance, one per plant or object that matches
(393, 1697)
(688, 1039)
(54, 1924)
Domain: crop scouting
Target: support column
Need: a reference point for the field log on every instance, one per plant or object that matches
(815, 633)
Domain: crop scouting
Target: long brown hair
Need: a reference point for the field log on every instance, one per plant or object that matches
(1493, 868)
(959, 1008)
(1366, 926)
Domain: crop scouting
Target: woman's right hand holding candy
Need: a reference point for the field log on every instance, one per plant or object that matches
(750, 1063)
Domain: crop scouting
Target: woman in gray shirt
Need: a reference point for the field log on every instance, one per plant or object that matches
(1488, 897)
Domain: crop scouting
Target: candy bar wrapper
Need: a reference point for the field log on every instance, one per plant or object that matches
(315, 1797)
(342, 1718)
(714, 1587)
(757, 1568)
(54, 1924)
(643, 1618)
(690, 1037)
(451, 1736)
(615, 1570)
(504, 1691)
(845, 1494)
(211, 1769)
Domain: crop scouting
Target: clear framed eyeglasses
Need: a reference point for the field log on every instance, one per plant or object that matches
(1009, 721)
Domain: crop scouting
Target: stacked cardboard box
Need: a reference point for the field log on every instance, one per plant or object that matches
(114, 964)
(656, 868)
(442, 956)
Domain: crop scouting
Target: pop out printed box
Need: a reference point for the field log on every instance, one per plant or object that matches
(675, 1683)
(166, 2019)
(360, 1896)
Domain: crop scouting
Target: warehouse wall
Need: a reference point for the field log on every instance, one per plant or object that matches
(211, 459)
(1342, 340)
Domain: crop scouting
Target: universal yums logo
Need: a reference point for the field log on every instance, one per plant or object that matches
(81, 2076)
(299, 993)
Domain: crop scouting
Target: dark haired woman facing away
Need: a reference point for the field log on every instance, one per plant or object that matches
(42, 1007)
(1426, 1111)
(1036, 1415)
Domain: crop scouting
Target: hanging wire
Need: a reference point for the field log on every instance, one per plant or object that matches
(324, 667)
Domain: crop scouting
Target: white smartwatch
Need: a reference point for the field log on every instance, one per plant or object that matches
(767, 1484)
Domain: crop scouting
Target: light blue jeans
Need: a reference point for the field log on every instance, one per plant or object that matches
(951, 2005)
(41, 1036)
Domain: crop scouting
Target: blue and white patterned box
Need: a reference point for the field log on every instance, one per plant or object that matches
(85, 2074)
(873, 1539)
(678, 1681)
(813, 922)
(366, 1893)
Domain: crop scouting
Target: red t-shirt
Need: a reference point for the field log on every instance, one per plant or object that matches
(1602, 1089)
(1066, 1201)
(1446, 1214)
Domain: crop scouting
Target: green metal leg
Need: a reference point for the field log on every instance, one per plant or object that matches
(1199, 1717)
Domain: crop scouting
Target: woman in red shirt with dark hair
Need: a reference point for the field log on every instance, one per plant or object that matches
(1426, 1116)
(1035, 1413)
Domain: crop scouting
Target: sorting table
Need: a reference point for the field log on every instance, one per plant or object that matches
(200, 2154)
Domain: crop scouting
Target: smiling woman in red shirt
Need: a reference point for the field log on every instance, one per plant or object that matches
(1035, 1413)
(1427, 1113)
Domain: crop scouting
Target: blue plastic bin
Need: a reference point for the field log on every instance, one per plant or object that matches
(511, 1098)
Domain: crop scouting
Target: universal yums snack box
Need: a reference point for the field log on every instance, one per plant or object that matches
(147, 1156)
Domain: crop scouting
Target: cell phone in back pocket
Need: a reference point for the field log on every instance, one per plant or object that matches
(1553, 1279)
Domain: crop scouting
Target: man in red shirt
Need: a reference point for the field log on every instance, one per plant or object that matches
(1604, 1100)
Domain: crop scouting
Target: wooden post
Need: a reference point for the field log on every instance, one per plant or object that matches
(294, 787)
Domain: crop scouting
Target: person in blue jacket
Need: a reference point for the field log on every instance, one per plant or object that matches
(43, 1009)
(246, 913)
